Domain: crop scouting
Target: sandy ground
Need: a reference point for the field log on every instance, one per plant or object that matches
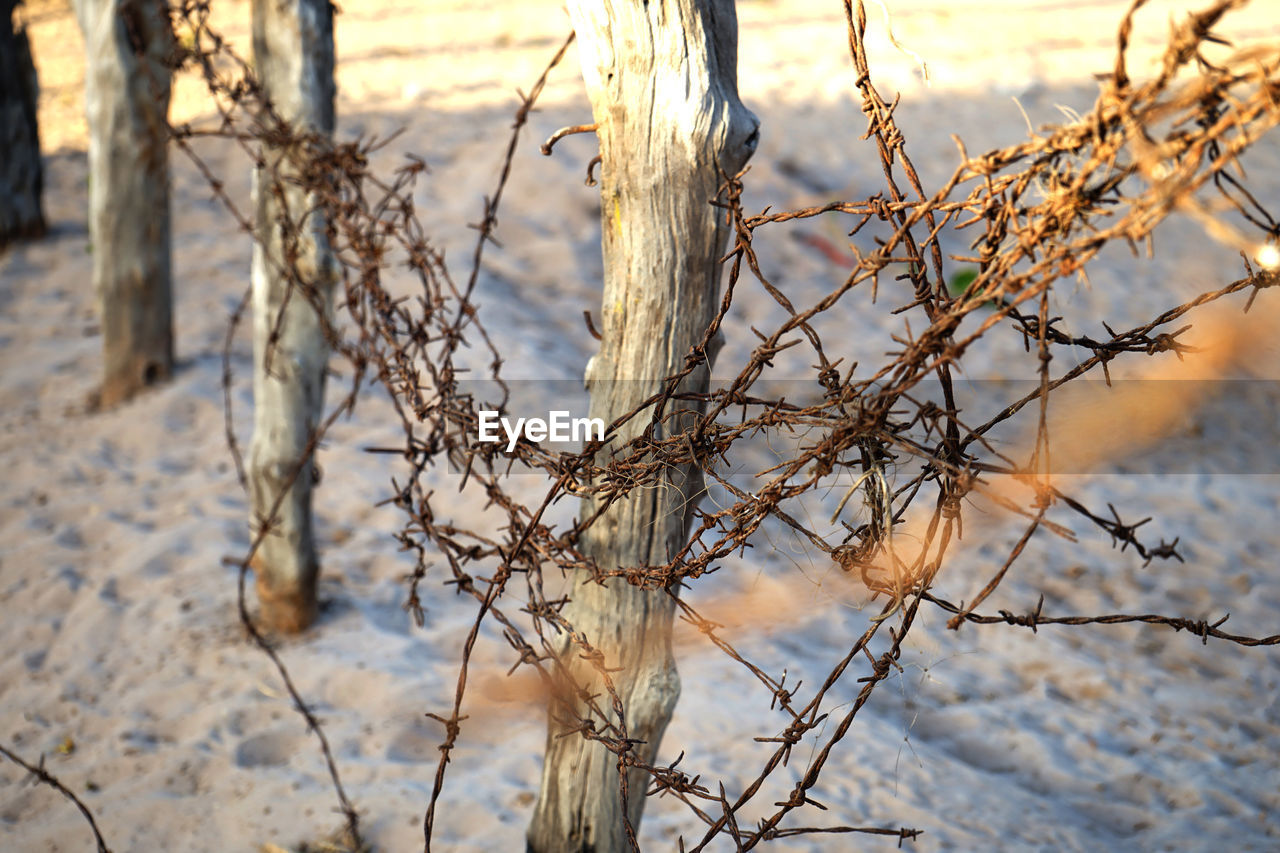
(125, 664)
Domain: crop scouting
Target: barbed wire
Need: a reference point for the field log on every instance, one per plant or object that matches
(1025, 246)
(43, 776)
(1039, 210)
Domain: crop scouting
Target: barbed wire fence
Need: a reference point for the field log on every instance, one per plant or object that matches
(1038, 211)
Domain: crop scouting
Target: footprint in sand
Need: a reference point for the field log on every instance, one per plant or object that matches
(270, 749)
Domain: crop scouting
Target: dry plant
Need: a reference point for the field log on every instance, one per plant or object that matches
(1038, 211)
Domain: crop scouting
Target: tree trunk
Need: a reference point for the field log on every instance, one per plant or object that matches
(127, 44)
(293, 54)
(662, 78)
(21, 172)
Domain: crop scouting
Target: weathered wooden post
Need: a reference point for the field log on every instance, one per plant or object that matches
(293, 274)
(662, 78)
(21, 171)
(128, 44)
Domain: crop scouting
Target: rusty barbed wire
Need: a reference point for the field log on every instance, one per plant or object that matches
(43, 776)
(1040, 211)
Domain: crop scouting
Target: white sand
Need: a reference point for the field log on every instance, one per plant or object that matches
(118, 617)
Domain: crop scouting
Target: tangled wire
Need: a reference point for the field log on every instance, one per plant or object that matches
(1038, 212)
